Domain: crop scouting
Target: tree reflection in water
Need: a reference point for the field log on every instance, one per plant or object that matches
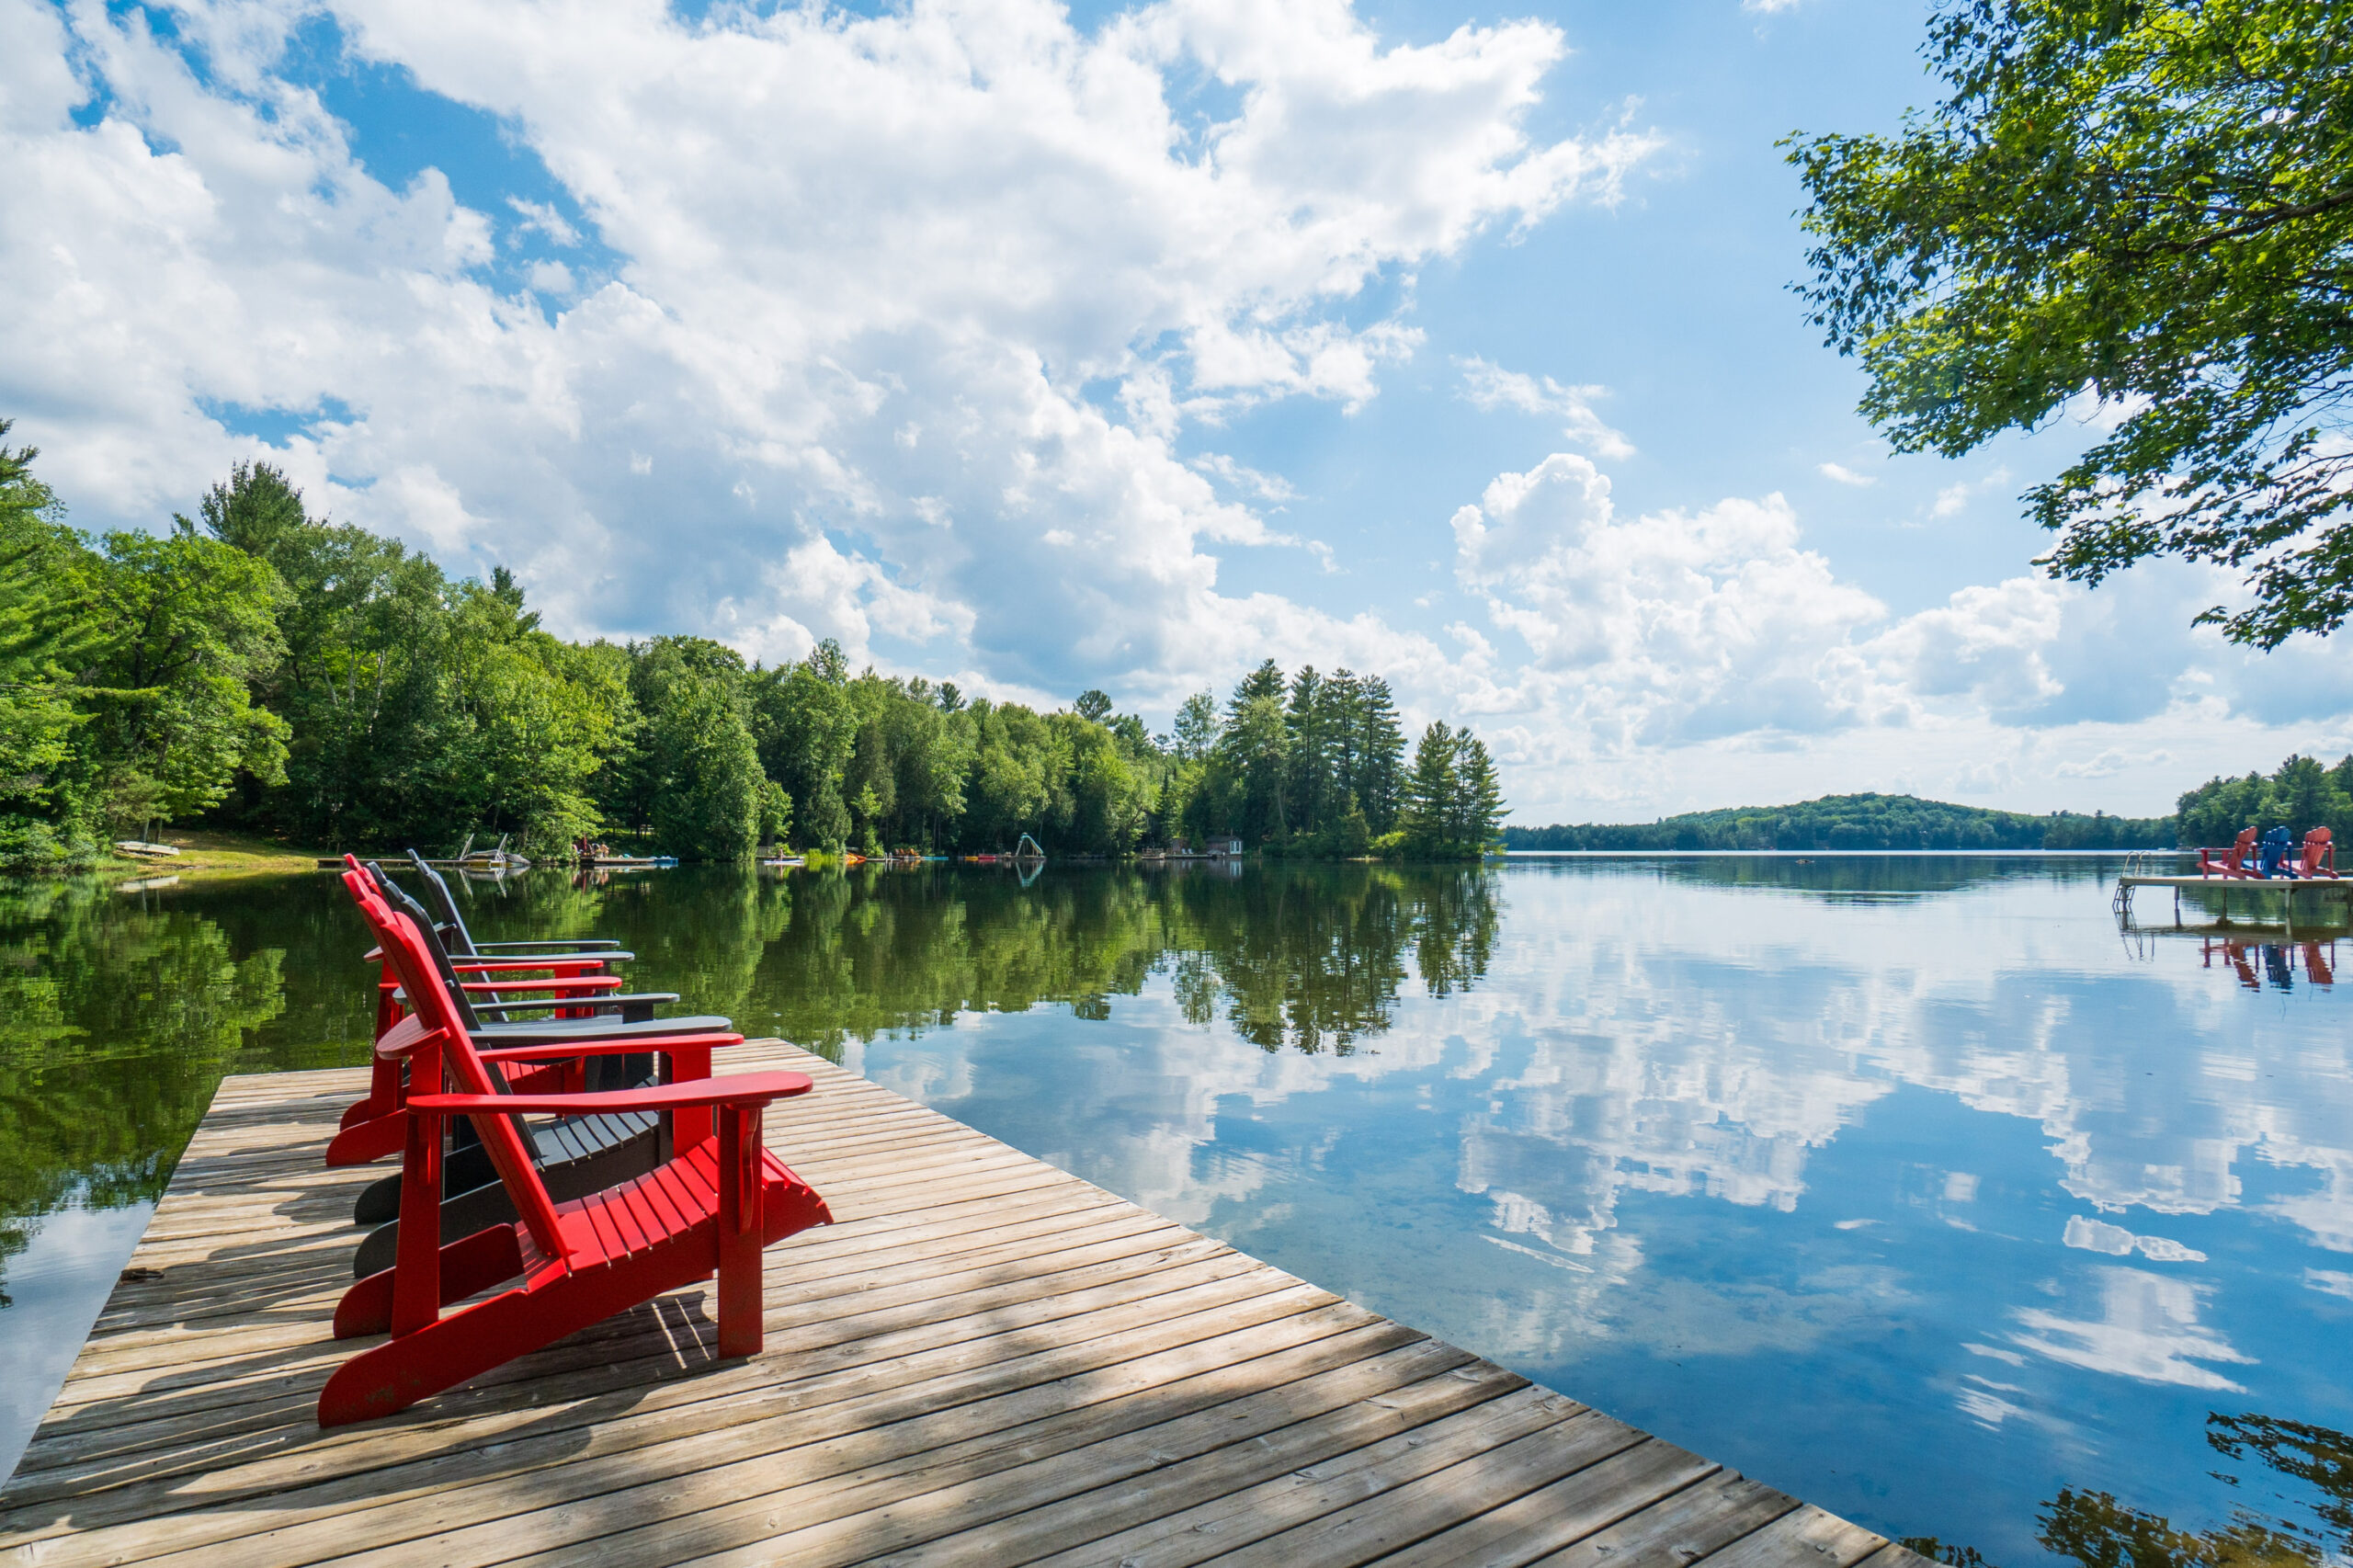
(117, 1020)
(1300, 957)
(2096, 1530)
(120, 1013)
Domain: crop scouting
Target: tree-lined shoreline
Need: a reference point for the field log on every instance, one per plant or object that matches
(260, 670)
(2300, 794)
(1854, 821)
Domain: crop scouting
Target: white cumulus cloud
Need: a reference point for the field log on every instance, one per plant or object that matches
(1710, 657)
(1490, 386)
(827, 231)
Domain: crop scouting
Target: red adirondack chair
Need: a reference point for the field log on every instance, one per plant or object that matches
(712, 1209)
(2318, 858)
(2231, 862)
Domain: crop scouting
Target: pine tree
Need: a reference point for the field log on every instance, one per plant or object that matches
(254, 511)
(1196, 727)
(1266, 683)
(1344, 698)
(1255, 750)
(1430, 793)
(1309, 720)
(1479, 810)
(1380, 778)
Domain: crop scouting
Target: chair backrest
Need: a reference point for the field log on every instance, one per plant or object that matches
(2318, 850)
(392, 894)
(405, 948)
(460, 939)
(2242, 846)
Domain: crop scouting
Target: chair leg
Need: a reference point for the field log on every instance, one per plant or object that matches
(396, 1374)
(383, 1093)
(462, 1170)
(740, 1232)
(379, 1201)
(461, 1216)
(473, 1339)
(467, 1264)
(363, 1142)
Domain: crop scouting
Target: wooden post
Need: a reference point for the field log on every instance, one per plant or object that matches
(739, 1231)
(416, 1277)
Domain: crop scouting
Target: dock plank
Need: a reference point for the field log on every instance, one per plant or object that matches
(986, 1361)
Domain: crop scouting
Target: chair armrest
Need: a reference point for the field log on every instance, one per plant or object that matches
(401, 1039)
(653, 998)
(520, 963)
(565, 982)
(572, 945)
(620, 1045)
(558, 970)
(492, 958)
(739, 1088)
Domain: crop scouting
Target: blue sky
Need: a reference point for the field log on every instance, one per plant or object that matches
(1043, 348)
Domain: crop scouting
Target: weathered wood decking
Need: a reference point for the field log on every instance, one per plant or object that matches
(986, 1361)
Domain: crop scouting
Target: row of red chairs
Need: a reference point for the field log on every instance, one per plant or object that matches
(640, 1182)
(2316, 856)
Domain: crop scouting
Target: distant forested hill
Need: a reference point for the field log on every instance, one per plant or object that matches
(1856, 822)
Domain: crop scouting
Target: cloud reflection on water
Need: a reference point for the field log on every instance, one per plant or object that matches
(1551, 1166)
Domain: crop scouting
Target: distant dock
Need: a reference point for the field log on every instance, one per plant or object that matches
(987, 1361)
(2341, 887)
(2332, 905)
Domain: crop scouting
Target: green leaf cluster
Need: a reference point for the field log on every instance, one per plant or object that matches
(127, 674)
(2143, 203)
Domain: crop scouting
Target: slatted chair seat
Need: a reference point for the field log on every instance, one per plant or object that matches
(708, 1209)
(586, 1137)
(664, 1205)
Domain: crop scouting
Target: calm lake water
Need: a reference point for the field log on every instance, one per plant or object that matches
(1907, 1184)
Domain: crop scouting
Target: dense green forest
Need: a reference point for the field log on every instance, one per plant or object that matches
(1856, 822)
(260, 668)
(2301, 794)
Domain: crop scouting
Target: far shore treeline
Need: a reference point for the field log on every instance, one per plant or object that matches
(1856, 822)
(2302, 793)
(261, 669)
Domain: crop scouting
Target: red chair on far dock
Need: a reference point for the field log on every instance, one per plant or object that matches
(2318, 858)
(2231, 862)
(712, 1209)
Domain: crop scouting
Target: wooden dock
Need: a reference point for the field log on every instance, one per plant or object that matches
(987, 1361)
(2343, 887)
